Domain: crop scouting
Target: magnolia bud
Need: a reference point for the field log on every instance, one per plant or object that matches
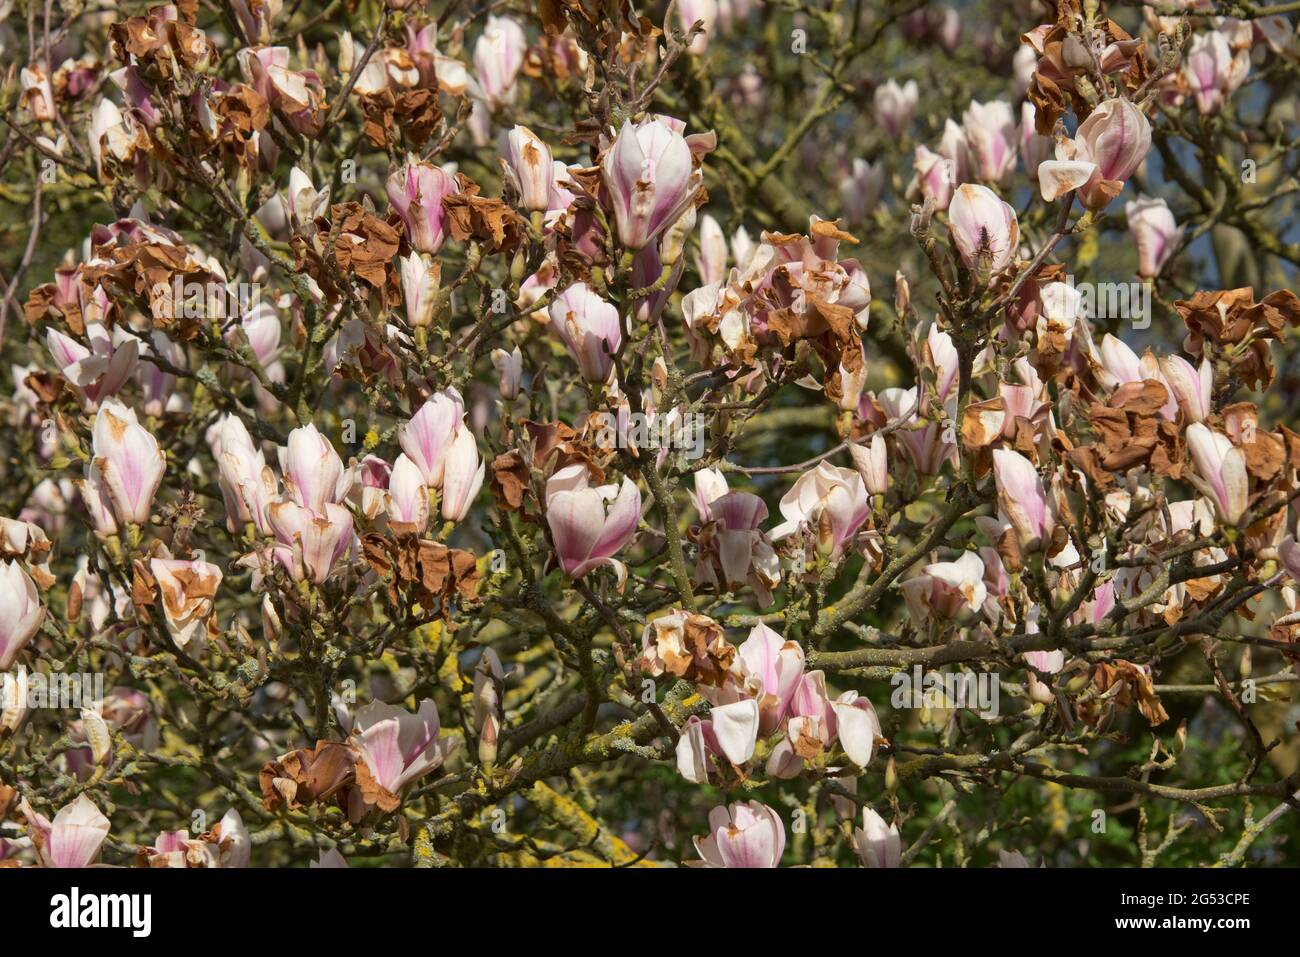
(489, 678)
(510, 370)
(902, 294)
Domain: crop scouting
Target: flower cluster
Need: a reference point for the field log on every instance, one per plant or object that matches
(469, 435)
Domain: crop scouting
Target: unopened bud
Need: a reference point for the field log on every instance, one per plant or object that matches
(902, 293)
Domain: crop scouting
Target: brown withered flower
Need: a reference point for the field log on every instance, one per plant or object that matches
(422, 569)
(1134, 686)
(1232, 317)
(1130, 432)
(686, 645)
(308, 776)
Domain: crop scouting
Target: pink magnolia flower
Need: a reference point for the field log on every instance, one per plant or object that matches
(856, 727)
(990, 130)
(860, 190)
(255, 16)
(1278, 34)
(1022, 402)
(397, 747)
(1023, 65)
(73, 839)
(1213, 72)
(436, 70)
(227, 845)
(421, 279)
(1049, 663)
(462, 476)
(711, 262)
(510, 371)
(94, 495)
(876, 844)
(188, 589)
(370, 492)
(427, 437)
(101, 370)
(945, 26)
(1120, 364)
(156, 385)
(983, 227)
(110, 134)
(650, 175)
(1034, 147)
(590, 525)
(529, 167)
(710, 485)
(690, 12)
(247, 484)
(744, 835)
(37, 94)
(261, 328)
(1220, 473)
(416, 190)
(732, 537)
(837, 493)
(127, 463)
(895, 106)
(1289, 552)
(936, 177)
(744, 553)
(408, 496)
(297, 95)
(310, 544)
(955, 148)
(1193, 388)
(1106, 150)
(777, 666)
(589, 327)
(950, 590)
(1154, 232)
(926, 446)
(21, 612)
(313, 471)
(1021, 497)
(302, 203)
(498, 55)
(811, 724)
(730, 731)
(872, 462)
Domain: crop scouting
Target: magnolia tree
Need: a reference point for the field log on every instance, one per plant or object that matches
(729, 435)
